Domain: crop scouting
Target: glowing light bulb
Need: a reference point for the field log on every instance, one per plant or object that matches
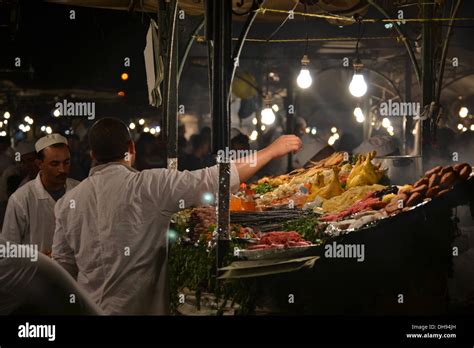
(314, 131)
(333, 130)
(56, 113)
(275, 107)
(358, 87)
(359, 115)
(268, 117)
(385, 122)
(304, 79)
(472, 127)
(254, 135)
(141, 122)
(463, 112)
(390, 129)
(49, 130)
(460, 126)
(254, 121)
(131, 125)
(6, 115)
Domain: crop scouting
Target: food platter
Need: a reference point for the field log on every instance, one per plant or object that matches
(278, 253)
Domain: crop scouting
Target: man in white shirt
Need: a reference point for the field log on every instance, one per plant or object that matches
(111, 230)
(29, 218)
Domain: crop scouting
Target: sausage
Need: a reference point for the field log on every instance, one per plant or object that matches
(415, 198)
(458, 167)
(446, 169)
(433, 171)
(432, 192)
(420, 189)
(465, 171)
(434, 180)
(421, 182)
(400, 197)
(443, 192)
(447, 180)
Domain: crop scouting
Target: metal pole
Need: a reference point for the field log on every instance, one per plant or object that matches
(289, 103)
(404, 39)
(189, 44)
(168, 14)
(240, 43)
(405, 123)
(220, 111)
(427, 82)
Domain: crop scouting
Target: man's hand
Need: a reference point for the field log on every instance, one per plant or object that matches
(284, 145)
(280, 147)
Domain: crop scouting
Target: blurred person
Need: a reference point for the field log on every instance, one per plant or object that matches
(33, 284)
(18, 174)
(182, 142)
(197, 159)
(29, 218)
(145, 146)
(238, 140)
(115, 240)
(77, 172)
(6, 154)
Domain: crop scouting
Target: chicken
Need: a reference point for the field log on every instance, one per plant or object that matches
(332, 189)
(364, 172)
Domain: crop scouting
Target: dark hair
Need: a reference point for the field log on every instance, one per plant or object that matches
(198, 140)
(109, 139)
(240, 139)
(41, 153)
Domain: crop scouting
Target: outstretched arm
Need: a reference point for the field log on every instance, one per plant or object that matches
(282, 146)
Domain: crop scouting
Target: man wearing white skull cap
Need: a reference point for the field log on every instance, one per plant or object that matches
(29, 218)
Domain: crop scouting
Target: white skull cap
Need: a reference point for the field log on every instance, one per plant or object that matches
(48, 140)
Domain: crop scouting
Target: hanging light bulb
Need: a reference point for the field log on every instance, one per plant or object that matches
(463, 112)
(268, 116)
(358, 87)
(359, 115)
(304, 79)
(386, 122)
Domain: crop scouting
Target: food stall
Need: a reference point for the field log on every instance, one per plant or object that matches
(333, 238)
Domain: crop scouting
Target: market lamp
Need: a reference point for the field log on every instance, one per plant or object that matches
(463, 112)
(358, 86)
(268, 116)
(304, 79)
(359, 115)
